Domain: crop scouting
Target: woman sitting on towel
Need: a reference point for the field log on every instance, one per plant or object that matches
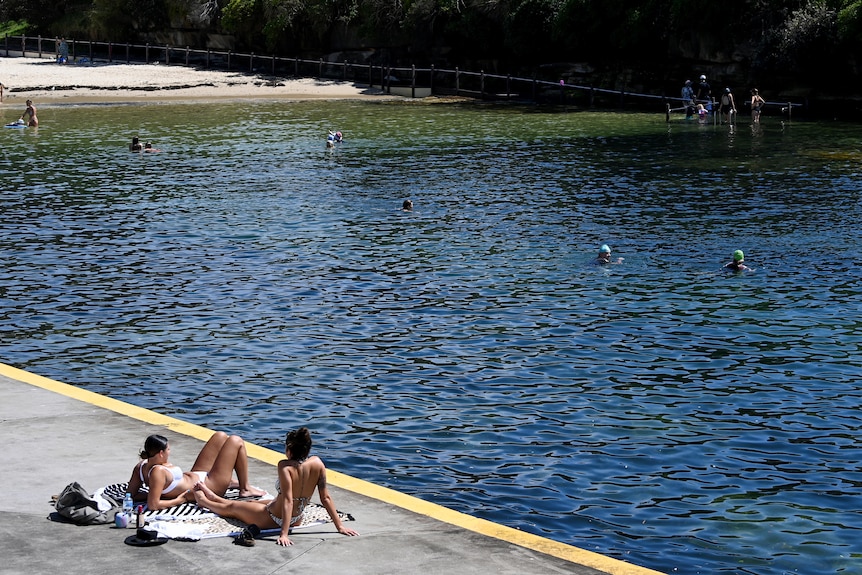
(169, 485)
(298, 476)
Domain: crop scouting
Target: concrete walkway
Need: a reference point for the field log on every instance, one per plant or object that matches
(55, 434)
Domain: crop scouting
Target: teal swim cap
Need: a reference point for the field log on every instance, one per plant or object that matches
(738, 256)
(606, 250)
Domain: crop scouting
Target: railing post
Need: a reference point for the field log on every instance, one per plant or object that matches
(147, 54)
(508, 86)
(39, 45)
(187, 55)
(592, 96)
(296, 66)
(431, 80)
(482, 84)
(90, 48)
(127, 52)
(251, 62)
(273, 64)
(344, 74)
(457, 80)
(320, 69)
(24, 46)
(207, 61)
(167, 54)
(413, 80)
(535, 89)
(228, 59)
(110, 52)
(562, 92)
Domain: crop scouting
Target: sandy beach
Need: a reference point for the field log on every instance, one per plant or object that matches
(46, 82)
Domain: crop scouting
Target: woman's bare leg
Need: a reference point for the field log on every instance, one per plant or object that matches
(250, 512)
(209, 453)
(231, 457)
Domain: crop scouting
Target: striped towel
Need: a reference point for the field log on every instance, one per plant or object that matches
(200, 523)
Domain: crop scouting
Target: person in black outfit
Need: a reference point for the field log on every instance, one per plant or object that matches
(704, 92)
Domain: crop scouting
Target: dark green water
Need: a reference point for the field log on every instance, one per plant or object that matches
(659, 411)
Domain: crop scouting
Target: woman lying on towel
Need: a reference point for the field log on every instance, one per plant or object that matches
(298, 476)
(168, 485)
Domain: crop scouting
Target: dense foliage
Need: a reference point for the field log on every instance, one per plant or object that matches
(812, 42)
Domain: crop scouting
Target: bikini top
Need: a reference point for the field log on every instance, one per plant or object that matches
(175, 471)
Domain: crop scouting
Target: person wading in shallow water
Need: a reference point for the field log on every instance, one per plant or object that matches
(31, 112)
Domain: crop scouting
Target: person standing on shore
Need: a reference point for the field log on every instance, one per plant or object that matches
(31, 112)
(704, 91)
(2, 87)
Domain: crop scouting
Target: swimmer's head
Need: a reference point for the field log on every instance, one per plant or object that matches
(407, 205)
(604, 249)
(738, 256)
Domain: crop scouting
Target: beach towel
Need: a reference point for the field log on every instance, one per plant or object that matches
(189, 522)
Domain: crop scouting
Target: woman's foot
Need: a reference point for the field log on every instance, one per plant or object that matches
(251, 491)
(201, 488)
(200, 498)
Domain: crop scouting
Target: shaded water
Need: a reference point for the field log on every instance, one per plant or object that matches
(467, 352)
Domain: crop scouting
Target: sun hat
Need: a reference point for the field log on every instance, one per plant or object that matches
(738, 256)
(604, 249)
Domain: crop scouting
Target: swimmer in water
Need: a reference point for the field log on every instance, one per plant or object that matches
(738, 263)
(407, 206)
(604, 256)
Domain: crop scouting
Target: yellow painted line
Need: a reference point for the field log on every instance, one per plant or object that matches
(408, 502)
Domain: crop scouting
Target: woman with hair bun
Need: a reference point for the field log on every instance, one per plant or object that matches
(298, 476)
(214, 467)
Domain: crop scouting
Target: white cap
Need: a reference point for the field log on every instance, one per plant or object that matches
(702, 77)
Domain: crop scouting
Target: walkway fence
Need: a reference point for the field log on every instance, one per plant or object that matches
(405, 81)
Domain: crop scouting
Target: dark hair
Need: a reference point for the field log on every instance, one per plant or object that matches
(298, 442)
(153, 445)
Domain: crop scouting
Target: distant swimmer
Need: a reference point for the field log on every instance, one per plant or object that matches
(738, 263)
(334, 138)
(148, 147)
(407, 206)
(135, 146)
(604, 256)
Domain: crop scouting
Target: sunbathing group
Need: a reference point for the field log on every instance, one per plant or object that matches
(212, 474)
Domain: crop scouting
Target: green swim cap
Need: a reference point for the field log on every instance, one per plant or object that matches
(738, 256)
(606, 250)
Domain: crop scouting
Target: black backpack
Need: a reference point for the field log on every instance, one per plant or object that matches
(76, 505)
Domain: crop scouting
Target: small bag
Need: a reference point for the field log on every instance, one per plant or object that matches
(76, 505)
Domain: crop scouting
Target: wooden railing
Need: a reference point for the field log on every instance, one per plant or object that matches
(408, 81)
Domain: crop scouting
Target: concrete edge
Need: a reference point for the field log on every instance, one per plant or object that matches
(346, 482)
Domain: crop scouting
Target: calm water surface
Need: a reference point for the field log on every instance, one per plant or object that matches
(467, 352)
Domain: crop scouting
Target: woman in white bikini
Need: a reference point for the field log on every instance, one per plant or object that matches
(168, 485)
(298, 476)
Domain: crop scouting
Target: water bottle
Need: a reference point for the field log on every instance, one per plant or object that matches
(128, 506)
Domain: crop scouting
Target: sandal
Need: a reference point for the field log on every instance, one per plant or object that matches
(246, 538)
